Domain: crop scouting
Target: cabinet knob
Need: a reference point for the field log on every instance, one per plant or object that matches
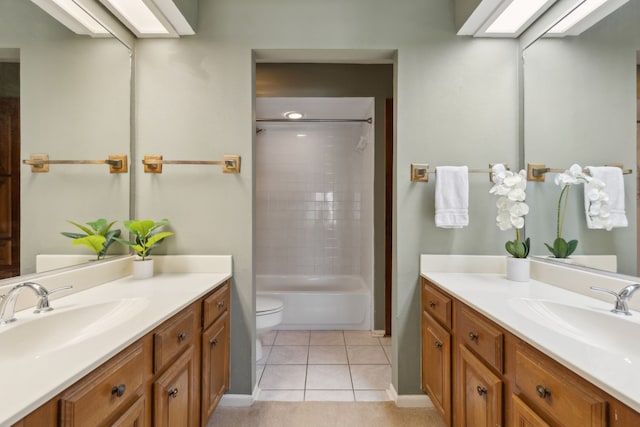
(481, 390)
(220, 304)
(182, 336)
(543, 392)
(173, 392)
(118, 390)
(438, 344)
(214, 341)
(473, 336)
(432, 304)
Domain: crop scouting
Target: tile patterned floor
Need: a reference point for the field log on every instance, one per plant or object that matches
(339, 366)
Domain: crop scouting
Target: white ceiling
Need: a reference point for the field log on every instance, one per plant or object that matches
(315, 108)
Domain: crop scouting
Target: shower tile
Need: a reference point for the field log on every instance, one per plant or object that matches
(283, 377)
(328, 377)
(329, 396)
(327, 355)
(360, 338)
(288, 355)
(327, 338)
(371, 377)
(292, 338)
(366, 355)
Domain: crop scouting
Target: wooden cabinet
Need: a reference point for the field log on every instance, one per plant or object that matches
(215, 351)
(489, 377)
(173, 376)
(436, 349)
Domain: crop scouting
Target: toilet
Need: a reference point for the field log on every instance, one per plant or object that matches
(268, 316)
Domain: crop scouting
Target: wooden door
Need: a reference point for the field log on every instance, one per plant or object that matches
(479, 393)
(215, 365)
(132, 417)
(436, 365)
(523, 416)
(173, 394)
(9, 187)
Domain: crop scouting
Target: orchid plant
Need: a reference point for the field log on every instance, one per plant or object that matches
(511, 187)
(598, 207)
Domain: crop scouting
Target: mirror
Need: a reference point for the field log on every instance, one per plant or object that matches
(580, 106)
(74, 104)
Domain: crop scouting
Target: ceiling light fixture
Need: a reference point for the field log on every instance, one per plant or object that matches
(151, 18)
(584, 16)
(503, 18)
(73, 17)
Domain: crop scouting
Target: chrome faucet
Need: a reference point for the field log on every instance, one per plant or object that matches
(8, 301)
(622, 297)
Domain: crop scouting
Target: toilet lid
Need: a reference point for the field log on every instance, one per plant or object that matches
(265, 305)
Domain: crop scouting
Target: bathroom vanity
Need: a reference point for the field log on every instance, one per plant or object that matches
(496, 352)
(141, 353)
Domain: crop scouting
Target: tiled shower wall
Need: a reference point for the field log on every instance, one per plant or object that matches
(314, 200)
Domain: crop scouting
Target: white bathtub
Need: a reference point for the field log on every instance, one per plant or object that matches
(319, 303)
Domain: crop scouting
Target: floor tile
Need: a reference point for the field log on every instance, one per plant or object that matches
(283, 377)
(328, 377)
(292, 338)
(327, 355)
(282, 395)
(329, 395)
(371, 396)
(268, 338)
(259, 371)
(360, 338)
(288, 355)
(366, 355)
(387, 351)
(385, 340)
(371, 377)
(327, 338)
(266, 350)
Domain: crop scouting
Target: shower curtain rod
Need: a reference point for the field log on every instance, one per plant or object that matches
(369, 120)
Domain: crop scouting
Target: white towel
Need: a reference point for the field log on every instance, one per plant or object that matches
(452, 196)
(614, 187)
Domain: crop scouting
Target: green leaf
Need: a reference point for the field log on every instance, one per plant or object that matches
(527, 247)
(97, 225)
(551, 249)
(156, 238)
(571, 247)
(83, 228)
(93, 242)
(72, 235)
(561, 248)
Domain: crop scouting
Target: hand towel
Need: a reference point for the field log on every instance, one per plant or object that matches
(613, 181)
(452, 196)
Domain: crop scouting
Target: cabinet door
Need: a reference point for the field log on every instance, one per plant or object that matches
(215, 364)
(436, 365)
(479, 393)
(523, 416)
(132, 417)
(173, 394)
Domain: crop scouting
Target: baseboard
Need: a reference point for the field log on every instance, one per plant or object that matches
(240, 400)
(409, 400)
(378, 332)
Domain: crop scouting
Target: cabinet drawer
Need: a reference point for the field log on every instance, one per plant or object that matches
(480, 336)
(103, 393)
(555, 394)
(174, 336)
(437, 304)
(216, 304)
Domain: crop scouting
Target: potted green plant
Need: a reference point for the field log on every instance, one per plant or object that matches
(147, 236)
(97, 237)
(511, 211)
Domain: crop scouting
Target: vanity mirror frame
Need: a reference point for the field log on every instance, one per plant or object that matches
(108, 131)
(537, 145)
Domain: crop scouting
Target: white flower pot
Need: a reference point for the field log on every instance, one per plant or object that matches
(142, 269)
(518, 269)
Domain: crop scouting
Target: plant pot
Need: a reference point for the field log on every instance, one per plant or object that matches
(518, 269)
(142, 269)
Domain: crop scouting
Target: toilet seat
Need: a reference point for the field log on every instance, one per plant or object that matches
(266, 305)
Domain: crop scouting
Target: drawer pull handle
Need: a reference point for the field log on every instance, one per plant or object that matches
(182, 336)
(118, 390)
(481, 390)
(214, 341)
(432, 304)
(543, 392)
(473, 336)
(173, 392)
(438, 345)
(220, 304)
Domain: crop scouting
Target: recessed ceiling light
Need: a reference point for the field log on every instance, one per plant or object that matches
(584, 16)
(137, 15)
(72, 16)
(515, 16)
(293, 115)
(301, 135)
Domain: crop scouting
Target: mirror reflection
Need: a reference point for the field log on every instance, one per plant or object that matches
(67, 96)
(580, 106)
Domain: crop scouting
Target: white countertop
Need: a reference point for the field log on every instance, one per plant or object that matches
(497, 298)
(29, 381)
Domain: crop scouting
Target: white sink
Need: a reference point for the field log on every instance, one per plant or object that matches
(36, 335)
(595, 326)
